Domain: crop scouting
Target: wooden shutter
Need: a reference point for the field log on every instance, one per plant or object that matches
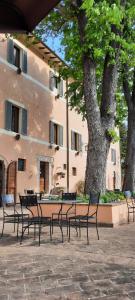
(24, 62)
(24, 121)
(60, 135)
(72, 140)
(51, 80)
(61, 88)
(10, 51)
(51, 132)
(8, 115)
(79, 142)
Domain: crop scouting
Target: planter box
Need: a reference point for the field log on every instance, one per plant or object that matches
(110, 214)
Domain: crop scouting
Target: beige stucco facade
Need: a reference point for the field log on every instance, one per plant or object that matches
(30, 91)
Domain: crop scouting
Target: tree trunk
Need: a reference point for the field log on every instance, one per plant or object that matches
(129, 178)
(98, 148)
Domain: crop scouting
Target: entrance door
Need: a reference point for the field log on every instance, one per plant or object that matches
(2, 175)
(44, 176)
(11, 178)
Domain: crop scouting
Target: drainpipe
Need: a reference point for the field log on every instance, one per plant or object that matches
(67, 135)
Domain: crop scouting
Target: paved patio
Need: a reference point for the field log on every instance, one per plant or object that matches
(103, 270)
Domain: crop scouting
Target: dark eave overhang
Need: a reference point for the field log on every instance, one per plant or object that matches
(23, 15)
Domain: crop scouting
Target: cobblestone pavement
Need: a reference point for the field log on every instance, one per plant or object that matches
(104, 270)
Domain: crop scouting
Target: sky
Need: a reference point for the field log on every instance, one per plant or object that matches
(54, 44)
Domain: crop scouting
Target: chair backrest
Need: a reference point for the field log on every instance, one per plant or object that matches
(29, 201)
(129, 199)
(127, 194)
(7, 199)
(69, 196)
(29, 192)
(93, 200)
(94, 197)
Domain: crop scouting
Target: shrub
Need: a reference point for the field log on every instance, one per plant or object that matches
(112, 197)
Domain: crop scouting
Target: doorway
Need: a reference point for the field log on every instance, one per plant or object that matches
(11, 179)
(44, 176)
(2, 177)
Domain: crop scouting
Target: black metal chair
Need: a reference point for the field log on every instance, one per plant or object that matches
(130, 204)
(61, 218)
(35, 218)
(29, 192)
(90, 218)
(11, 212)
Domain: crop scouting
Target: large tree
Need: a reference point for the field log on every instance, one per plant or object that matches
(129, 92)
(92, 36)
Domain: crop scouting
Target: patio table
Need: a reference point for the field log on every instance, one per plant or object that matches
(59, 215)
(61, 203)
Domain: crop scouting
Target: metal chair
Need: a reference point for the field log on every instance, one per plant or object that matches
(35, 218)
(11, 212)
(130, 204)
(61, 218)
(90, 217)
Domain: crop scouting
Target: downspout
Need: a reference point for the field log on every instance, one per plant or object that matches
(67, 135)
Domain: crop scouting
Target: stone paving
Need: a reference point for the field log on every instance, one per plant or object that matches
(103, 270)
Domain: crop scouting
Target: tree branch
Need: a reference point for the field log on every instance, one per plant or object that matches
(109, 84)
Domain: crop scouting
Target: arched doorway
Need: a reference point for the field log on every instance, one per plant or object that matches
(11, 178)
(2, 177)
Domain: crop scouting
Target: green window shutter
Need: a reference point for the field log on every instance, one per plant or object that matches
(24, 62)
(79, 142)
(24, 122)
(8, 115)
(10, 51)
(72, 140)
(51, 132)
(60, 135)
(61, 88)
(51, 80)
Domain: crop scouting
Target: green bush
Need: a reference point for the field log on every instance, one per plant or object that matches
(112, 197)
(108, 197)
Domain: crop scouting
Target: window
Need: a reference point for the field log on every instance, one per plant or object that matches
(16, 56)
(21, 164)
(56, 83)
(15, 118)
(74, 171)
(76, 141)
(64, 167)
(113, 156)
(55, 133)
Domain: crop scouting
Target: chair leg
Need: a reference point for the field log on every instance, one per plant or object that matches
(128, 215)
(79, 229)
(87, 232)
(23, 230)
(69, 230)
(67, 226)
(14, 225)
(60, 225)
(50, 230)
(39, 234)
(17, 228)
(3, 226)
(97, 230)
(52, 227)
(34, 231)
